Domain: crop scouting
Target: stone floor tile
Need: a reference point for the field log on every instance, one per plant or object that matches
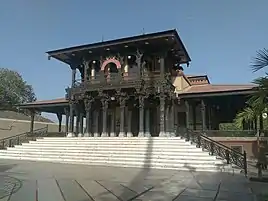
(121, 192)
(71, 190)
(26, 192)
(192, 198)
(95, 190)
(199, 193)
(230, 196)
(48, 190)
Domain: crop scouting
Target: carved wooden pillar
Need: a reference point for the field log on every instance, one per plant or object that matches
(71, 130)
(203, 113)
(162, 67)
(86, 76)
(122, 116)
(77, 123)
(73, 75)
(81, 124)
(187, 114)
(67, 114)
(32, 121)
(93, 71)
(126, 67)
(104, 117)
(141, 116)
(167, 116)
(59, 115)
(162, 115)
(88, 106)
(147, 123)
(113, 117)
(96, 123)
(193, 105)
(129, 124)
(171, 117)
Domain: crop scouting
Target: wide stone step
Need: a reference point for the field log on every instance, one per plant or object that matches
(179, 143)
(113, 139)
(108, 148)
(129, 163)
(148, 146)
(109, 155)
(114, 151)
(117, 159)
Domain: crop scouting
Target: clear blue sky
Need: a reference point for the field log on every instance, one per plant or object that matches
(220, 36)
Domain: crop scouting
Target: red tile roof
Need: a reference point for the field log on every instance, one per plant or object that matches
(216, 88)
(53, 101)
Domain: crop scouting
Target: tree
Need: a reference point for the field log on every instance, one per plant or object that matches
(257, 104)
(13, 89)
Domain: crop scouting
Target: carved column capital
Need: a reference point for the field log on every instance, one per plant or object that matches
(203, 105)
(88, 103)
(122, 101)
(104, 103)
(141, 101)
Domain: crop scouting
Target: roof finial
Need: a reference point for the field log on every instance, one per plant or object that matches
(143, 31)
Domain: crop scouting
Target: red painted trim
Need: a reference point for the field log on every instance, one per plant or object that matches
(112, 60)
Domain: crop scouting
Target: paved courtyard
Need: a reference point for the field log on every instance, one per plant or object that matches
(40, 181)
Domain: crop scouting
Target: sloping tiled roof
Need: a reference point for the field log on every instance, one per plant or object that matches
(207, 88)
(53, 101)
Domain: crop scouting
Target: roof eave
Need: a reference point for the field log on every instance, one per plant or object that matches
(217, 93)
(115, 42)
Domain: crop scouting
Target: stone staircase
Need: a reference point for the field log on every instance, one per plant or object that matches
(155, 152)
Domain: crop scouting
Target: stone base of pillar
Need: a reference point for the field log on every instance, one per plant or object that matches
(80, 135)
(70, 135)
(141, 134)
(96, 135)
(162, 134)
(122, 134)
(112, 134)
(129, 134)
(167, 134)
(172, 134)
(147, 134)
(87, 135)
(104, 134)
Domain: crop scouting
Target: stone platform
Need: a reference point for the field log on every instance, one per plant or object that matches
(45, 181)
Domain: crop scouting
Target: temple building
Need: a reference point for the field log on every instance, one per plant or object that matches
(136, 86)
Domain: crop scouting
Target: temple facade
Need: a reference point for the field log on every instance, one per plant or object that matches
(136, 86)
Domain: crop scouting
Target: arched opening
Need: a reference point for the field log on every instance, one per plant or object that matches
(112, 67)
(110, 71)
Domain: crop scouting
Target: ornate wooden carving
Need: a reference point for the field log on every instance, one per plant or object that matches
(122, 99)
(104, 103)
(141, 101)
(88, 101)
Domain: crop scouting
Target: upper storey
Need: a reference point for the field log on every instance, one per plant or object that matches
(124, 62)
(166, 41)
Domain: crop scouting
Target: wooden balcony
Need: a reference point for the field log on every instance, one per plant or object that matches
(117, 80)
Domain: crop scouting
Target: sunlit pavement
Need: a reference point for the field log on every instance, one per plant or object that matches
(32, 181)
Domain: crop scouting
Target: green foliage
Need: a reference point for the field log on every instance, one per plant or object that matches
(247, 114)
(228, 127)
(260, 61)
(13, 89)
(257, 103)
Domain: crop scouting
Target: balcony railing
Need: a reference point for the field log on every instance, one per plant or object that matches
(111, 79)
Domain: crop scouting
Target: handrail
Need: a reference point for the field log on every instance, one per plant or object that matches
(216, 148)
(22, 137)
(21, 134)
